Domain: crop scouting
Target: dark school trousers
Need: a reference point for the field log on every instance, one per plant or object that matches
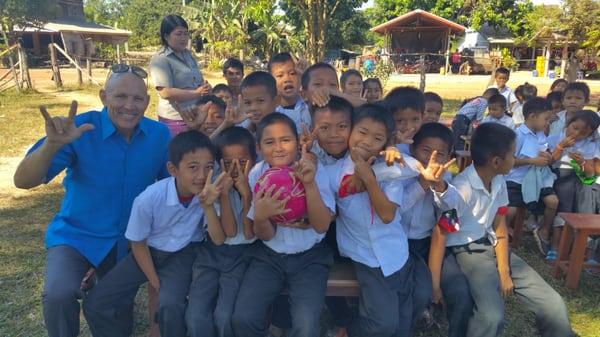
(217, 275)
(114, 295)
(477, 260)
(304, 275)
(460, 127)
(454, 285)
(65, 269)
(385, 303)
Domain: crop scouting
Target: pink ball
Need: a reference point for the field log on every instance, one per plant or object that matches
(292, 186)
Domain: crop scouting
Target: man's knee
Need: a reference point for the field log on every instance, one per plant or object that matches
(59, 295)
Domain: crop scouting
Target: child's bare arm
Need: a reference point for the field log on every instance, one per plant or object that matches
(502, 255)
(267, 205)
(214, 227)
(142, 256)
(437, 249)
(319, 216)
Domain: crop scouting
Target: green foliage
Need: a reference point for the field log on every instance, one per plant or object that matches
(471, 13)
(507, 60)
(20, 12)
(143, 20)
(382, 71)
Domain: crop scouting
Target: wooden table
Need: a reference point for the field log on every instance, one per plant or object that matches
(578, 227)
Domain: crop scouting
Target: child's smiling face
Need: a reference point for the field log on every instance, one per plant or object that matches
(368, 138)
(333, 131)
(278, 144)
(257, 102)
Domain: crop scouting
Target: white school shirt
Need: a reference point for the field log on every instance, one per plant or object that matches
(475, 205)
(299, 114)
(517, 112)
(418, 215)
(361, 235)
(504, 120)
(508, 94)
(159, 217)
(529, 145)
(294, 240)
(586, 147)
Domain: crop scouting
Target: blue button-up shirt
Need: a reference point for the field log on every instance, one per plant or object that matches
(104, 175)
(361, 234)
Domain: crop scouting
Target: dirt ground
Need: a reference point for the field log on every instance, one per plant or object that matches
(448, 86)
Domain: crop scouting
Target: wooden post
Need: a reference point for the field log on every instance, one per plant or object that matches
(20, 63)
(88, 63)
(422, 84)
(25, 76)
(563, 61)
(55, 67)
(447, 65)
(11, 61)
(79, 74)
(547, 60)
(118, 53)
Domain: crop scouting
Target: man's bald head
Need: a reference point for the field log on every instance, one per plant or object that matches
(126, 98)
(117, 78)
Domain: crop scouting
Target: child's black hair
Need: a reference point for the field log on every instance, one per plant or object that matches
(497, 99)
(274, 118)
(261, 79)
(336, 104)
(491, 140)
(526, 91)
(553, 96)
(213, 99)
(233, 63)
(346, 74)
(434, 130)
(305, 80)
(280, 59)
(401, 98)
(589, 117)
(533, 106)
(431, 96)
(377, 112)
(502, 70)
(488, 92)
(557, 82)
(236, 135)
(578, 86)
(372, 80)
(221, 87)
(187, 142)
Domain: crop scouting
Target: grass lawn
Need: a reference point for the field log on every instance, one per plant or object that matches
(24, 216)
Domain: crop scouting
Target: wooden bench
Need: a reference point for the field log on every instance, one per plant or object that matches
(570, 260)
(463, 159)
(342, 280)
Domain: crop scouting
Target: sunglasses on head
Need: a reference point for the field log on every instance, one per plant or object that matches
(125, 68)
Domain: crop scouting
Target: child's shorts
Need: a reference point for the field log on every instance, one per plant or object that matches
(515, 198)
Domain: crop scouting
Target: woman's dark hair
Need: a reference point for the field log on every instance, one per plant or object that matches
(274, 118)
(491, 140)
(236, 135)
(346, 74)
(372, 80)
(168, 25)
(187, 142)
(589, 117)
(377, 112)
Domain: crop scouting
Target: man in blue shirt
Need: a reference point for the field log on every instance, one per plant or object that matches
(110, 156)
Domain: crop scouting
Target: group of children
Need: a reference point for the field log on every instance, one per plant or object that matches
(378, 191)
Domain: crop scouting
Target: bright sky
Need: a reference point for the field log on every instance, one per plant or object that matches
(535, 2)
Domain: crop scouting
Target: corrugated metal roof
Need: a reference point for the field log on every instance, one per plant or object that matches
(84, 27)
(431, 20)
